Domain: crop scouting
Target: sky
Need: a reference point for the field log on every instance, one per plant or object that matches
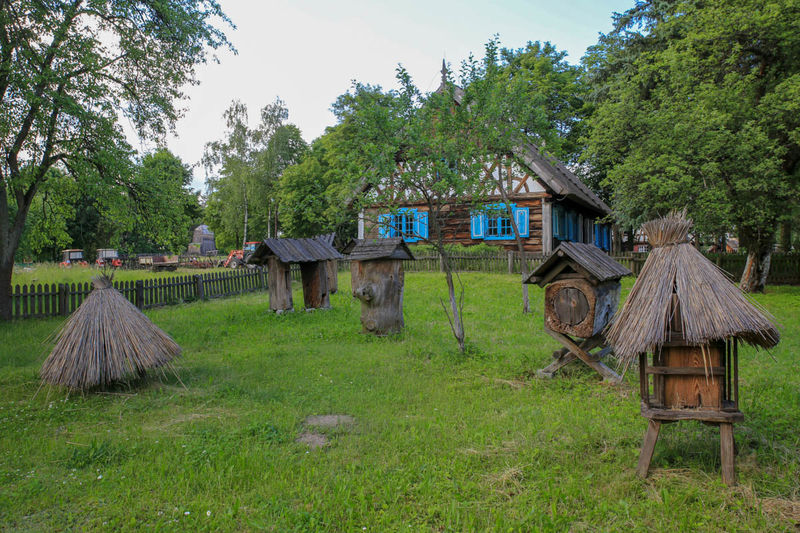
(308, 52)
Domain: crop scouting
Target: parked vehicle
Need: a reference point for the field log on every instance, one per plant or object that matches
(108, 257)
(239, 258)
(159, 262)
(72, 257)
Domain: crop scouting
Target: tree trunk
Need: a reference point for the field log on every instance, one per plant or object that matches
(456, 324)
(526, 308)
(785, 242)
(6, 270)
(244, 239)
(759, 254)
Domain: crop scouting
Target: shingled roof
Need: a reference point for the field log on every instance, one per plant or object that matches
(367, 249)
(587, 256)
(295, 250)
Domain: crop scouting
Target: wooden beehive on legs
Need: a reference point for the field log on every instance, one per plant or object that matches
(581, 296)
(377, 279)
(689, 317)
(312, 254)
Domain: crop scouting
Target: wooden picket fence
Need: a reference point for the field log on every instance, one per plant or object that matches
(43, 300)
(36, 301)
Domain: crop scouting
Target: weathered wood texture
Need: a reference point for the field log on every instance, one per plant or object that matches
(593, 361)
(648, 446)
(726, 452)
(576, 307)
(332, 267)
(379, 286)
(692, 390)
(315, 285)
(280, 285)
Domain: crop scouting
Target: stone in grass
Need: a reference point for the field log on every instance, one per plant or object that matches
(317, 440)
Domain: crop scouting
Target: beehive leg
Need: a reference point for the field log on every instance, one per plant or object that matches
(726, 449)
(649, 444)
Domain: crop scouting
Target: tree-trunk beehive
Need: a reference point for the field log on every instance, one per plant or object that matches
(377, 280)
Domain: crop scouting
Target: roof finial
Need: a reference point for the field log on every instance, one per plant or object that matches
(444, 73)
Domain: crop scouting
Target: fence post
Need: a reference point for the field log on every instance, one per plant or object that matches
(62, 299)
(510, 262)
(139, 294)
(198, 287)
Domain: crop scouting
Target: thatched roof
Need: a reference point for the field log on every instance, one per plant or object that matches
(710, 306)
(367, 249)
(588, 257)
(107, 339)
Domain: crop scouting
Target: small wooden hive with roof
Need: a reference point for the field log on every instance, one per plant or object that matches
(377, 279)
(581, 295)
(686, 313)
(313, 255)
(582, 291)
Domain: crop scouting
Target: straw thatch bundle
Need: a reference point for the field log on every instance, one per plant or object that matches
(106, 339)
(711, 307)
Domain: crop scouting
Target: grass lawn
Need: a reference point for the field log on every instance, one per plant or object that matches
(52, 273)
(440, 441)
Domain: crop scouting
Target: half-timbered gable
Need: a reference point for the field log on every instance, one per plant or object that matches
(548, 202)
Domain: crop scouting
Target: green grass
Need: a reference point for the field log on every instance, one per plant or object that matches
(441, 441)
(52, 273)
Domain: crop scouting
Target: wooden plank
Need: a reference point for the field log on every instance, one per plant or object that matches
(648, 446)
(702, 415)
(599, 367)
(726, 448)
(686, 371)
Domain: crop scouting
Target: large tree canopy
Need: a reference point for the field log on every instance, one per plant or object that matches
(698, 106)
(68, 70)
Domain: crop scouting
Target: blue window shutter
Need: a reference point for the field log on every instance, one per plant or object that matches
(607, 238)
(477, 221)
(597, 242)
(521, 217)
(555, 222)
(384, 231)
(421, 224)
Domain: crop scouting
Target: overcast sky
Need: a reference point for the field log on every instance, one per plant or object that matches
(307, 52)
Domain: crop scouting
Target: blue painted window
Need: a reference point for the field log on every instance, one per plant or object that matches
(602, 236)
(492, 223)
(410, 224)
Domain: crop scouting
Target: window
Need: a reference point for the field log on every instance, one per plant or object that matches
(602, 236)
(493, 223)
(410, 224)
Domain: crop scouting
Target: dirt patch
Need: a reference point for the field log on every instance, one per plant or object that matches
(329, 421)
(312, 440)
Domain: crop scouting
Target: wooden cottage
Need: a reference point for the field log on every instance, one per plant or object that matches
(376, 270)
(312, 254)
(549, 203)
(686, 314)
(581, 296)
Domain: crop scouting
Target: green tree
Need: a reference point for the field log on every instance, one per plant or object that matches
(68, 70)
(415, 147)
(698, 106)
(314, 192)
(245, 165)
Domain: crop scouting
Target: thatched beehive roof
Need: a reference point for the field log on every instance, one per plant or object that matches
(107, 339)
(711, 307)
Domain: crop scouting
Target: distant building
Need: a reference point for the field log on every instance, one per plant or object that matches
(202, 241)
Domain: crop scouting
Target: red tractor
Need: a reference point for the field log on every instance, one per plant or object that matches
(108, 257)
(239, 258)
(73, 257)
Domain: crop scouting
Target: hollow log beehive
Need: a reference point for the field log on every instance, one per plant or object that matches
(377, 280)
